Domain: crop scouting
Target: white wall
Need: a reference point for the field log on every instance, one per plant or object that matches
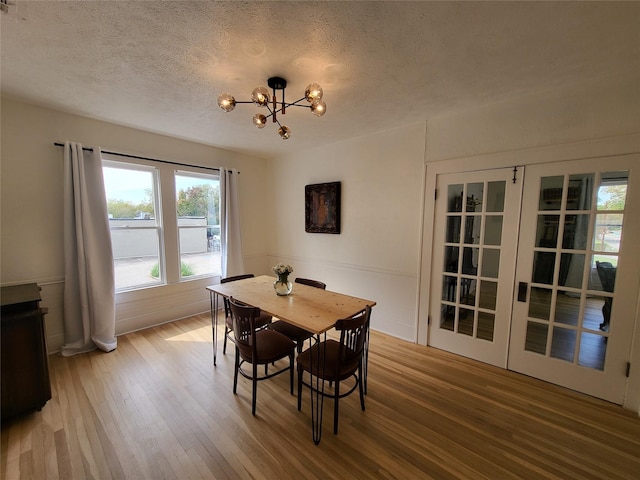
(376, 255)
(31, 209)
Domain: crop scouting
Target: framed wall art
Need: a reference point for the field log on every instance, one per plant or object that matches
(322, 208)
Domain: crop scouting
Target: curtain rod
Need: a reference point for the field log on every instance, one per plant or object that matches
(90, 149)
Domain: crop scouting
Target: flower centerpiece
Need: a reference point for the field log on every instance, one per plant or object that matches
(282, 285)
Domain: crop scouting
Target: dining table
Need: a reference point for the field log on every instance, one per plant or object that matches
(313, 309)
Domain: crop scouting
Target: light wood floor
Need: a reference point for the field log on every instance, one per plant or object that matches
(157, 408)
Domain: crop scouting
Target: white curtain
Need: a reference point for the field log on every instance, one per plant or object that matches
(89, 288)
(230, 233)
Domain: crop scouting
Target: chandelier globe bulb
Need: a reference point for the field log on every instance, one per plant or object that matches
(226, 102)
(284, 132)
(260, 96)
(318, 108)
(259, 120)
(313, 92)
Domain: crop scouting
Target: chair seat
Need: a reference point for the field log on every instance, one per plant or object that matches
(332, 360)
(271, 346)
(296, 334)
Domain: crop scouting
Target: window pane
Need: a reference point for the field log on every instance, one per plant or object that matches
(488, 294)
(131, 194)
(580, 192)
(490, 263)
(547, 231)
(465, 321)
(576, 232)
(551, 193)
(571, 270)
(486, 322)
(540, 303)
(475, 192)
(493, 230)
(453, 229)
(563, 344)
(454, 198)
(197, 209)
(451, 255)
(607, 232)
(495, 196)
(536, 339)
(472, 224)
(612, 193)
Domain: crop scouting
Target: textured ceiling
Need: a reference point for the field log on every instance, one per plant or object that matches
(160, 66)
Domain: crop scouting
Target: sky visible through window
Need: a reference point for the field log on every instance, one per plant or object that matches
(131, 185)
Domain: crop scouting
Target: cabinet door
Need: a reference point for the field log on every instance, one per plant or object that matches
(25, 371)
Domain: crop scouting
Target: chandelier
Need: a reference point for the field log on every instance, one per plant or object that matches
(262, 98)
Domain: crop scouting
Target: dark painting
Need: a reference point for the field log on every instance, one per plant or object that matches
(322, 208)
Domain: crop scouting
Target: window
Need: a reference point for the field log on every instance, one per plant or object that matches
(152, 229)
(197, 210)
(132, 194)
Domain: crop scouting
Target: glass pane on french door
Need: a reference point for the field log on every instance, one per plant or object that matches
(474, 252)
(574, 223)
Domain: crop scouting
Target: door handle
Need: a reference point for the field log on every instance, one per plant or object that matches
(522, 291)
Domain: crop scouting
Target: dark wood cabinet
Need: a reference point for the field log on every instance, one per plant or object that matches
(25, 366)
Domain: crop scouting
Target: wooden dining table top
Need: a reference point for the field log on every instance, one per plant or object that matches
(313, 309)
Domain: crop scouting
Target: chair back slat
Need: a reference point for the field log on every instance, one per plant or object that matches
(353, 335)
(244, 324)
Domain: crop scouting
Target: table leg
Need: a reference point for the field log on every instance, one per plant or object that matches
(213, 301)
(317, 390)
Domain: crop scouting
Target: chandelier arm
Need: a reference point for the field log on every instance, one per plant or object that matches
(296, 102)
(296, 105)
(270, 111)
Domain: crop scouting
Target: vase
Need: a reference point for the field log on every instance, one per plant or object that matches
(282, 285)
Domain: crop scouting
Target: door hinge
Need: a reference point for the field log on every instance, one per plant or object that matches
(628, 369)
(428, 319)
(435, 194)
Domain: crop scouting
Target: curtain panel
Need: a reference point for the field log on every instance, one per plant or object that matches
(230, 232)
(89, 289)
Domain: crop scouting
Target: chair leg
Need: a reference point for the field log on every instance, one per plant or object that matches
(361, 387)
(224, 342)
(235, 371)
(336, 403)
(299, 389)
(291, 372)
(254, 380)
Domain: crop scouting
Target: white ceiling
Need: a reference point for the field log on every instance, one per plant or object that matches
(159, 66)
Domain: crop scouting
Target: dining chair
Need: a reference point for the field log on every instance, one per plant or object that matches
(607, 274)
(335, 361)
(263, 321)
(297, 334)
(257, 347)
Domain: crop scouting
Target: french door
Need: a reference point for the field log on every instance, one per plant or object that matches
(574, 309)
(476, 226)
(529, 271)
